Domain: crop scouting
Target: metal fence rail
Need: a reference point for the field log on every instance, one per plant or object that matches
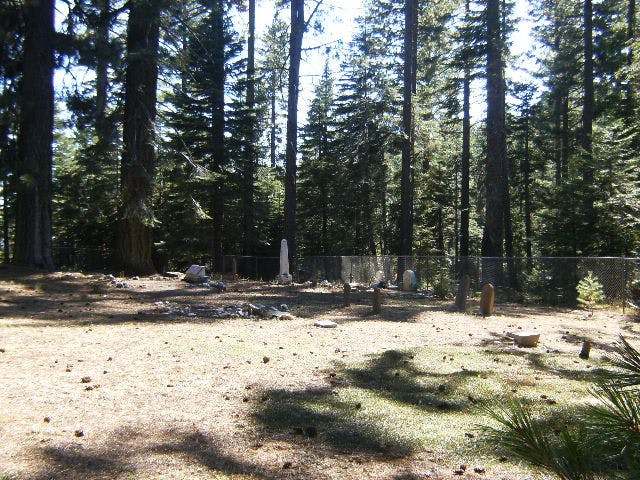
(546, 280)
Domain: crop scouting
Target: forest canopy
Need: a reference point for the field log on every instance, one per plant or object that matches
(176, 137)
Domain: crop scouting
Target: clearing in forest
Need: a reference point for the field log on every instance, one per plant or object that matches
(103, 382)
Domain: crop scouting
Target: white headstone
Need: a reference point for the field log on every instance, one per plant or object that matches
(284, 276)
(409, 281)
(379, 277)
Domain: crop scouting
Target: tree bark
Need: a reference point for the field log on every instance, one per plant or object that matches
(496, 143)
(631, 29)
(466, 154)
(406, 181)
(526, 167)
(250, 154)
(295, 53)
(138, 157)
(32, 245)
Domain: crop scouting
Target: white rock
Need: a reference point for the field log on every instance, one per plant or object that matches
(325, 324)
(526, 339)
(409, 281)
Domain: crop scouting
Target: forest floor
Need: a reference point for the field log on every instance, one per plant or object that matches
(104, 383)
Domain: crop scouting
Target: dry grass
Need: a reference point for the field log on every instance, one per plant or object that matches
(393, 396)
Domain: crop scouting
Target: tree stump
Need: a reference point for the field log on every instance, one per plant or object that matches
(585, 350)
(376, 301)
(463, 291)
(487, 298)
(347, 295)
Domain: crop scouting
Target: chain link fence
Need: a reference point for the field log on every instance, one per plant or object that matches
(545, 280)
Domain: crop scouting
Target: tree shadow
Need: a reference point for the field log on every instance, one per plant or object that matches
(74, 462)
(394, 376)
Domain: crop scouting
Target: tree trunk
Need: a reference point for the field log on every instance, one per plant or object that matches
(406, 183)
(272, 133)
(526, 167)
(250, 155)
(217, 139)
(586, 138)
(564, 136)
(631, 91)
(102, 80)
(138, 157)
(32, 245)
(496, 144)
(6, 248)
(466, 156)
(295, 52)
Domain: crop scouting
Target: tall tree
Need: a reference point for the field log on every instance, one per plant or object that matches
(409, 89)
(295, 53)
(139, 156)
(35, 138)
(496, 136)
(250, 144)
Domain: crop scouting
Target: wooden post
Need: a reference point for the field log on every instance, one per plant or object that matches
(234, 268)
(347, 295)
(463, 291)
(376, 301)
(585, 350)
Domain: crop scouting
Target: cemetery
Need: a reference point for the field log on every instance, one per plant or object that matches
(187, 376)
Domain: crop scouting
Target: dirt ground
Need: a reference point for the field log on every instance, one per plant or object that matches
(98, 382)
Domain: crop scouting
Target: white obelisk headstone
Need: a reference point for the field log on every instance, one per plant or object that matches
(285, 276)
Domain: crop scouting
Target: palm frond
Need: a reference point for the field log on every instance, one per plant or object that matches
(626, 358)
(528, 439)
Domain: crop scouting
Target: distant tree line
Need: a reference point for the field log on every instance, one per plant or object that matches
(179, 139)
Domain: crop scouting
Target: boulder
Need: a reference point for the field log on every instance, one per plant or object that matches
(325, 324)
(526, 339)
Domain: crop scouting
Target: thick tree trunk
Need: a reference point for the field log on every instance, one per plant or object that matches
(564, 136)
(250, 154)
(295, 53)
(406, 181)
(35, 138)
(138, 157)
(631, 90)
(496, 144)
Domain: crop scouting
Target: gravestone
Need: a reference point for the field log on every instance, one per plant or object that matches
(379, 280)
(486, 300)
(409, 281)
(196, 274)
(284, 277)
(585, 350)
(376, 301)
(463, 291)
(347, 295)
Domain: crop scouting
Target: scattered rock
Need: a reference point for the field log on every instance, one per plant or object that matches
(46, 419)
(85, 379)
(287, 465)
(79, 433)
(265, 359)
(526, 339)
(479, 470)
(325, 324)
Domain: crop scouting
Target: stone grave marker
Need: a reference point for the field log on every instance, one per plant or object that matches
(196, 274)
(409, 281)
(284, 277)
(487, 298)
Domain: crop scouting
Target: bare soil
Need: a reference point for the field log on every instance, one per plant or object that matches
(101, 383)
